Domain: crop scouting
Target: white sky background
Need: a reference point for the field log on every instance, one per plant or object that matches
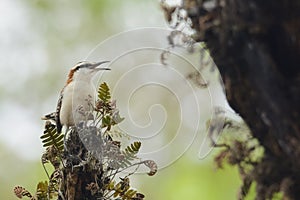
(21, 55)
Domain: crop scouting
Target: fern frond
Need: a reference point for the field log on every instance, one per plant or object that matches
(104, 93)
(128, 155)
(121, 159)
(22, 192)
(151, 165)
(131, 150)
(42, 190)
(51, 137)
(129, 194)
(122, 190)
(134, 148)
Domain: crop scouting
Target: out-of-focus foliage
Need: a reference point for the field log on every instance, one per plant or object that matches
(187, 179)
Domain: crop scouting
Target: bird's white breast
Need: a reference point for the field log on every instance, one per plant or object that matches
(78, 101)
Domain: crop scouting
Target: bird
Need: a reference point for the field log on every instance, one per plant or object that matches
(77, 97)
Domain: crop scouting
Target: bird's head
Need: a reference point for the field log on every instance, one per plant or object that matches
(85, 70)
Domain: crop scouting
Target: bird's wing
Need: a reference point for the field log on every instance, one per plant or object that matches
(50, 116)
(57, 117)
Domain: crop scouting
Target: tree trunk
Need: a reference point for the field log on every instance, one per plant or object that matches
(79, 174)
(256, 46)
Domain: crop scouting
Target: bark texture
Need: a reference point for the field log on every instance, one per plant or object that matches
(256, 46)
(82, 175)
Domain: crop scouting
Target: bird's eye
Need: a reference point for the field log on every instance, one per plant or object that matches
(80, 65)
(77, 68)
(83, 65)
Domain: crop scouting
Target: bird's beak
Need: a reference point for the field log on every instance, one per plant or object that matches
(95, 66)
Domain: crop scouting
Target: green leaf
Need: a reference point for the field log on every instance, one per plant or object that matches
(134, 147)
(106, 121)
(104, 93)
(129, 154)
(42, 190)
(130, 193)
(51, 137)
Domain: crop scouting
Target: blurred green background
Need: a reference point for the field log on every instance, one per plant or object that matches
(40, 41)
